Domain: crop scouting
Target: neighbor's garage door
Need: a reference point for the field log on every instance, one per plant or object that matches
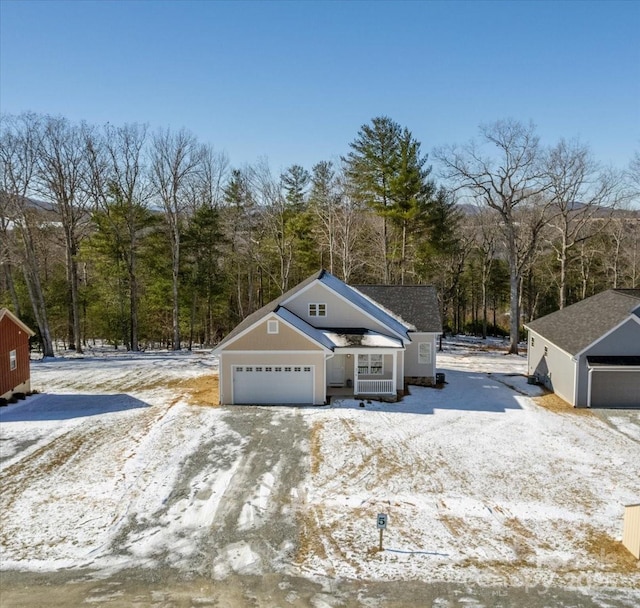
(615, 388)
(271, 384)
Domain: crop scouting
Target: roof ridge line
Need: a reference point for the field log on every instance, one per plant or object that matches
(621, 291)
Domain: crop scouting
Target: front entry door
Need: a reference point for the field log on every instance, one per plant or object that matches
(336, 371)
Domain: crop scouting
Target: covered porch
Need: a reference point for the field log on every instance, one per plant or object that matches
(364, 372)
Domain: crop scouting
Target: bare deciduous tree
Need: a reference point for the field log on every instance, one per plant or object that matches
(204, 195)
(349, 232)
(19, 153)
(278, 236)
(61, 179)
(323, 201)
(632, 176)
(622, 234)
(486, 240)
(119, 186)
(581, 195)
(505, 182)
(176, 158)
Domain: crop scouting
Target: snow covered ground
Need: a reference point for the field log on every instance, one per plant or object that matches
(479, 482)
(117, 464)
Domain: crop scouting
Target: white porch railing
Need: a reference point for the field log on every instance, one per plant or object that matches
(374, 387)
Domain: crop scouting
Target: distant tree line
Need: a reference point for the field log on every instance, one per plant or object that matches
(142, 239)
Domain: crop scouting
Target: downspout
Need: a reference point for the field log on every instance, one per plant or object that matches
(356, 374)
(576, 376)
(326, 358)
(394, 372)
(220, 375)
(589, 387)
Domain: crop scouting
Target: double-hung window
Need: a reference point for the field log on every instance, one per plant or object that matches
(370, 365)
(317, 310)
(13, 360)
(424, 353)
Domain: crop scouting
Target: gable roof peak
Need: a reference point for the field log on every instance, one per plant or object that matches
(367, 305)
(373, 309)
(5, 312)
(579, 325)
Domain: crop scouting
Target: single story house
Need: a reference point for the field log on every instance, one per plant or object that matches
(15, 371)
(324, 338)
(589, 353)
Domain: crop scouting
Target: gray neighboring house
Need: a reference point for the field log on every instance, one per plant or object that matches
(589, 353)
(325, 338)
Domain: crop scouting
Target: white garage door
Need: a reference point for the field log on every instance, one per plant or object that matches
(615, 388)
(272, 384)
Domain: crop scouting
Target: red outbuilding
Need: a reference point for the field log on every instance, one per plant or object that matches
(14, 355)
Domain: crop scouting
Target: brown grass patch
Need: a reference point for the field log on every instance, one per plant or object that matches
(316, 447)
(338, 540)
(309, 536)
(508, 570)
(203, 390)
(374, 460)
(555, 404)
(513, 523)
(612, 554)
(354, 436)
(456, 525)
(485, 347)
(521, 538)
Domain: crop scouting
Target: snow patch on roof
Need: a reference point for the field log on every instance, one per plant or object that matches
(336, 339)
(376, 339)
(370, 339)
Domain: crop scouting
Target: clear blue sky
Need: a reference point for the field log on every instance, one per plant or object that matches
(294, 81)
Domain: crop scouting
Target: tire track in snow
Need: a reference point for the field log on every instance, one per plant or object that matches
(271, 538)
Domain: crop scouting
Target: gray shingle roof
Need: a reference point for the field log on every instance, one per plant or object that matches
(382, 313)
(417, 305)
(577, 326)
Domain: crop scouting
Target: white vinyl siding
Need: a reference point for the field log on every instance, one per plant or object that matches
(552, 367)
(370, 365)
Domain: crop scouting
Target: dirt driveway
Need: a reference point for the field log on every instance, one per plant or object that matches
(164, 588)
(625, 421)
